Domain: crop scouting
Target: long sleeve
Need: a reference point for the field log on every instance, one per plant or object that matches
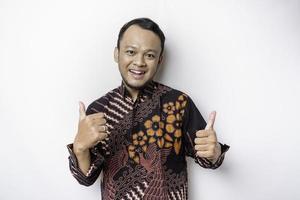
(97, 162)
(192, 122)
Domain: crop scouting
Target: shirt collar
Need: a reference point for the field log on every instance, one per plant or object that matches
(146, 91)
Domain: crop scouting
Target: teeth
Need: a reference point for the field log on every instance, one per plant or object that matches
(136, 71)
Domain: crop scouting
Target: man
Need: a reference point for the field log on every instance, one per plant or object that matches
(139, 134)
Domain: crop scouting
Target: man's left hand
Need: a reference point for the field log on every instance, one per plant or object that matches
(206, 143)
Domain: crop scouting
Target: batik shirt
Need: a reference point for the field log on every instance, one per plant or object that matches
(144, 155)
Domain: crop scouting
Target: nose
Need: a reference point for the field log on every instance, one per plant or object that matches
(139, 61)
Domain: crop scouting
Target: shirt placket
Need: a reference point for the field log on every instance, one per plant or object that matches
(134, 110)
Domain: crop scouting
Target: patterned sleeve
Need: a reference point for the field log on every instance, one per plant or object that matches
(97, 162)
(192, 122)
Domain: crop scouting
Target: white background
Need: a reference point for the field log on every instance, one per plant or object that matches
(240, 58)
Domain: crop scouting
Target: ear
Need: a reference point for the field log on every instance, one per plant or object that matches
(116, 54)
(160, 59)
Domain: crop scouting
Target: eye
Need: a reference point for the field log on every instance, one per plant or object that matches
(150, 55)
(130, 52)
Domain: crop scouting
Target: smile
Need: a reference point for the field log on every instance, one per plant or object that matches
(137, 72)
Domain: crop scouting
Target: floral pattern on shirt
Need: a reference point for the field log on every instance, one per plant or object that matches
(155, 127)
(169, 108)
(155, 132)
(144, 154)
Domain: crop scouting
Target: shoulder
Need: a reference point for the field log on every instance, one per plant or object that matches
(172, 94)
(100, 104)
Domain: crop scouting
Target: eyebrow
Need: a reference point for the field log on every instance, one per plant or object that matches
(130, 46)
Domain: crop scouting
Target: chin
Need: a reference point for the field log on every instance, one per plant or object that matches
(136, 85)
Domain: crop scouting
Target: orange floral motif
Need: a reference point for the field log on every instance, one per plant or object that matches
(133, 154)
(174, 124)
(139, 140)
(169, 108)
(181, 103)
(154, 126)
(155, 131)
(177, 145)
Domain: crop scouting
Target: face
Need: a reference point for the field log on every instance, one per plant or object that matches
(138, 56)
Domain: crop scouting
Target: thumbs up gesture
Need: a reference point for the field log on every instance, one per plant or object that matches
(91, 130)
(206, 143)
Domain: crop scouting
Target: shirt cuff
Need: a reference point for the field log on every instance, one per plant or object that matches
(96, 161)
(206, 163)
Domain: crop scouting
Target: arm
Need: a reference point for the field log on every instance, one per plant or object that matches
(85, 176)
(86, 160)
(207, 156)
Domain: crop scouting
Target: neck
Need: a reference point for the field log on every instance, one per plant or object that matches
(133, 92)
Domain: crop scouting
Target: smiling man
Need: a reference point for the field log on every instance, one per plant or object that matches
(140, 133)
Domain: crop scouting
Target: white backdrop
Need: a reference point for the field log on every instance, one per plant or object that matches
(238, 57)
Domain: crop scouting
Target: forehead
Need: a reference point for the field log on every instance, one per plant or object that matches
(140, 38)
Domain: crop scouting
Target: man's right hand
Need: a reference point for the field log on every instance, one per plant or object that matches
(91, 130)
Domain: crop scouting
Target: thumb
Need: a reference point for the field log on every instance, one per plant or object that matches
(82, 114)
(211, 120)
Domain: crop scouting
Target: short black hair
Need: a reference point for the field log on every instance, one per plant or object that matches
(144, 23)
